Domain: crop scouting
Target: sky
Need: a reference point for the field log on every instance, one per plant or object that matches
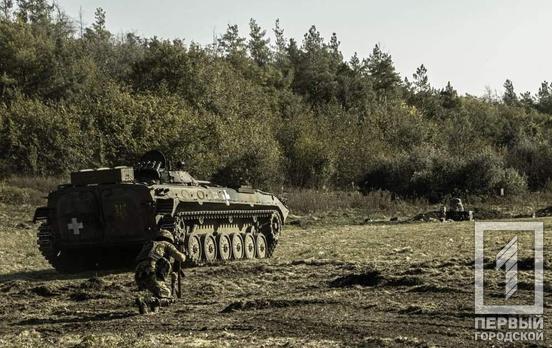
(475, 44)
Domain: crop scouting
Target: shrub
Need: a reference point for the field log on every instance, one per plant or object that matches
(513, 182)
(18, 196)
(434, 175)
(532, 159)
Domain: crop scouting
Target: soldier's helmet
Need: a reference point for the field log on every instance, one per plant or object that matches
(165, 235)
(456, 200)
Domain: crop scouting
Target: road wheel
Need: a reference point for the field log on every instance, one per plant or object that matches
(249, 246)
(224, 249)
(272, 233)
(237, 246)
(209, 248)
(261, 246)
(193, 247)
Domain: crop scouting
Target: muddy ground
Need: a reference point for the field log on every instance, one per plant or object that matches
(373, 285)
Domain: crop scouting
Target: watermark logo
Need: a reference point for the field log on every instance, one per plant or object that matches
(509, 320)
(507, 257)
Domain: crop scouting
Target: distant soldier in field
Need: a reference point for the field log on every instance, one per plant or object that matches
(154, 272)
(456, 205)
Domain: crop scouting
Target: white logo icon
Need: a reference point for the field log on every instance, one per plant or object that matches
(507, 257)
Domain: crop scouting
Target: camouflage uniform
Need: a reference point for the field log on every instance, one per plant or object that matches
(154, 271)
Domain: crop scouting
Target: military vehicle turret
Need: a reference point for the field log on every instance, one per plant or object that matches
(103, 216)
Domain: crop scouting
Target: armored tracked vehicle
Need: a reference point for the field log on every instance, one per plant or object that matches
(102, 218)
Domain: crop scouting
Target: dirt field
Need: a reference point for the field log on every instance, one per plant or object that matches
(372, 285)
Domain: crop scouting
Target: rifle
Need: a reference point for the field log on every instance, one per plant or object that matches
(179, 238)
(179, 280)
(179, 241)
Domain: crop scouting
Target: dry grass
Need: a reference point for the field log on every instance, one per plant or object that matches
(317, 202)
(20, 196)
(515, 205)
(426, 272)
(33, 338)
(27, 190)
(38, 183)
(425, 286)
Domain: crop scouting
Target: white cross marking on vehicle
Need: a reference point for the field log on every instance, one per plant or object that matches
(226, 197)
(75, 226)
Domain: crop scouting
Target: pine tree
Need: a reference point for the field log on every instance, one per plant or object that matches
(544, 91)
(334, 43)
(355, 63)
(258, 44)
(280, 39)
(421, 81)
(420, 93)
(527, 99)
(231, 44)
(544, 98)
(510, 96)
(385, 79)
(312, 40)
(99, 31)
(293, 51)
(34, 11)
(449, 97)
(99, 20)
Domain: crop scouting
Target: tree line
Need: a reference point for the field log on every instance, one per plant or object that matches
(250, 109)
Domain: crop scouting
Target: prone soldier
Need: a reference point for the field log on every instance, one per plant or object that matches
(154, 270)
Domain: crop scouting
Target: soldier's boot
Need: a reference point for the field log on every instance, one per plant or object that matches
(154, 305)
(142, 305)
(165, 301)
